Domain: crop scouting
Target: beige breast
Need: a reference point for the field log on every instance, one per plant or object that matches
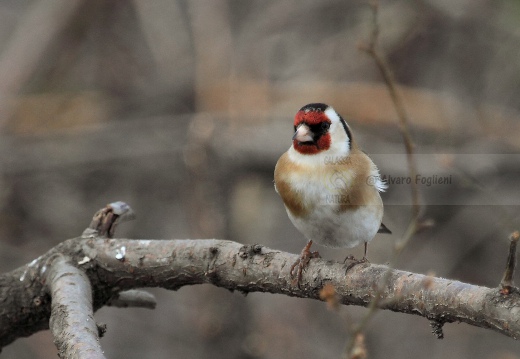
(357, 190)
(284, 171)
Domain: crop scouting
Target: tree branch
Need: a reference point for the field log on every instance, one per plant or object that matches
(172, 264)
(72, 317)
(404, 127)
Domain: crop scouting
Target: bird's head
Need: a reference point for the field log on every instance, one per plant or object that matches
(319, 128)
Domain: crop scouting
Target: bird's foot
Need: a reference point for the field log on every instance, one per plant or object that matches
(355, 261)
(302, 262)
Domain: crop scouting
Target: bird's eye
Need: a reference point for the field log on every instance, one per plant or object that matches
(325, 126)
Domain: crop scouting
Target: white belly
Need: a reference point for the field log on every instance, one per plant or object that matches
(327, 227)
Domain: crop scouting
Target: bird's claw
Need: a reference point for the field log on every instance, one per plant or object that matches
(301, 263)
(355, 261)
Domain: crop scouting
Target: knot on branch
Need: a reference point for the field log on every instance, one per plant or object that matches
(507, 283)
(248, 251)
(437, 325)
(105, 220)
(102, 329)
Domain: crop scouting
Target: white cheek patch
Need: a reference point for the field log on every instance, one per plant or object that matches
(332, 115)
(339, 135)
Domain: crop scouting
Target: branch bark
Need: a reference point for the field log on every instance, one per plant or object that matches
(116, 265)
(72, 318)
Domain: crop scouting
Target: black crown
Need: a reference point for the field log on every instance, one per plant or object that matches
(320, 107)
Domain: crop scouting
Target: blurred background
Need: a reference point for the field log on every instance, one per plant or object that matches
(181, 109)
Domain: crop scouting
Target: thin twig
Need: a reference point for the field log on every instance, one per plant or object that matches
(403, 125)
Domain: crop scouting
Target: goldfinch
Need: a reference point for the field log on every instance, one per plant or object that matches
(329, 187)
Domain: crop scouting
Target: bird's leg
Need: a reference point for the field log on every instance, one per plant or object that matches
(305, 256)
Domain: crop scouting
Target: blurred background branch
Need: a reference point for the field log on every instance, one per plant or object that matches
(34, 34)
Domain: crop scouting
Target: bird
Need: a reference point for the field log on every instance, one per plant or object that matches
(329, 187)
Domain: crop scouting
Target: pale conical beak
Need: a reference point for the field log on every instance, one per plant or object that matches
(303, 134)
